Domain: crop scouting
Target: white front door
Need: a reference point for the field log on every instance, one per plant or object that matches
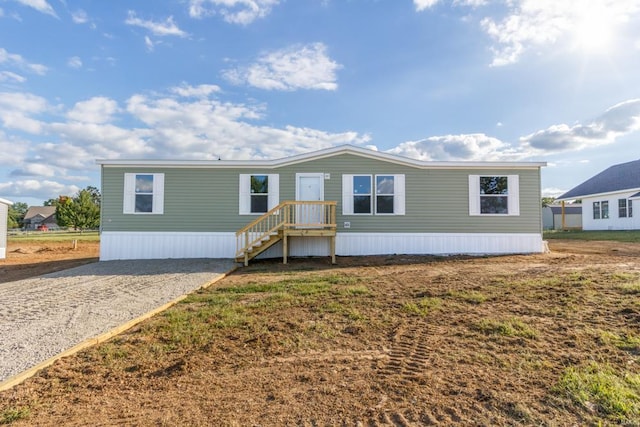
(310, 187)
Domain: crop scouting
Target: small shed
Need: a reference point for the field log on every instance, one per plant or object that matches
(552, 217)
(4, 213)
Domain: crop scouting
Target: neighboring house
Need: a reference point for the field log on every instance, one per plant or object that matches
(363, 202)
(552, 217)
(4, 216)
(39, 217)
(609, 198)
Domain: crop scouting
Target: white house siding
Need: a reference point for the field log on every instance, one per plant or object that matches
(360, 244)
(164, 245)
(613, 222)
(437, 243)
(161, 245)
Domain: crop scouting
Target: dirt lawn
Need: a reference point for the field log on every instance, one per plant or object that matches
(30, 259)
(549, 339)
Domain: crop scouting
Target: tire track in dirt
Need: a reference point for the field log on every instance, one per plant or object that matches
(407, 365)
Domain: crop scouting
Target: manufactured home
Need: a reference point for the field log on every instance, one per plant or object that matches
(342, 201)
(4, 215)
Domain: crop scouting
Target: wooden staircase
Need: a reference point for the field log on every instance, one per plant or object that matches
(290, 218)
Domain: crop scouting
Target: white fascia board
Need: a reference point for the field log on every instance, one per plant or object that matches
(315, 155)
(596, 195)
(6, 202)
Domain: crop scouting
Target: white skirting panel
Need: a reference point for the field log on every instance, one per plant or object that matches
(163, 245)
(437, 243)
(352, 244)
(3, 253)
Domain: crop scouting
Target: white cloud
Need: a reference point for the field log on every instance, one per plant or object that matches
(531, 23)
(16, 109)
(148, 43)
(427, 4)
(553, 192)
(13, 151)
(166, 28)
(588, 26)
(200, 91)
(34, 169)
(80, 17)
(187, 122)
(424, 4)
(75, 62)
(206, 129)
(13, 59)
(241, 12)
(296, 67)
(8, 75)
(37, 189)
(619, 120)
(95, 110)
(40, 6)
(465, 147)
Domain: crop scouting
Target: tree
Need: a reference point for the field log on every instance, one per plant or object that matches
(546, 201)
(16, 214)
(50, 202)
(80, 212)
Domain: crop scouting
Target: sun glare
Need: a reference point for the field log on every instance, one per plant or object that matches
(593, 29)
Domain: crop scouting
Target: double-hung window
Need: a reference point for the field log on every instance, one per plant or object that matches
(362, 194)
(373, 194)
(258, 193)
(625, 208)
(601, 210)
(385, 192)
(494, 195)
(143, 193)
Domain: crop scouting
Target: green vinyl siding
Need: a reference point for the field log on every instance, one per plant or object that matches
(437, 200)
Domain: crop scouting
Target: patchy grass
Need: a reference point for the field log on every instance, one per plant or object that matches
(54, 236)
(632, 288)
(12, 414)
(512, 327)
(456, 340)
(471, 297)
(630, 236)
(422, 307)
(627, 341)
(600, 388)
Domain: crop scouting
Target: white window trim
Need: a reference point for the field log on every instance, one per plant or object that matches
(129, 200)
(627, 203)
(513, 195)
(244, 193)
(399, 198)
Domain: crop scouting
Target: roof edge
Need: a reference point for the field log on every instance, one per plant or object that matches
(328, 152)
(606, 193)
(6, 202)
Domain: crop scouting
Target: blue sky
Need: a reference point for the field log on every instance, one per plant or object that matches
(452, 80)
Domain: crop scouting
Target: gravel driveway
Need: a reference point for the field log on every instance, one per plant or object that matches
(44, 316)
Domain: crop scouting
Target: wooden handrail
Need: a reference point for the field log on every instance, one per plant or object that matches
(286, 216)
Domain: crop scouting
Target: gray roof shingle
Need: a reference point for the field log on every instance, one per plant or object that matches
(625, 176)
(568, 210)
(43, 211)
